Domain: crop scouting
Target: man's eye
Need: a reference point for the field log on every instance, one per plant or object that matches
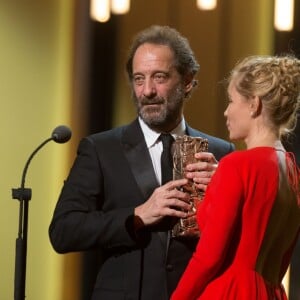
(138, 80)
(160, 78)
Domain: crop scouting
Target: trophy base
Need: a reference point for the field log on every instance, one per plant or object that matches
(188, 227)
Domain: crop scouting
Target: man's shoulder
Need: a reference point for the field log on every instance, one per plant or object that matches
(109, 133)
(115, 132)
(212, 139)
(218, 146)
(125, 134)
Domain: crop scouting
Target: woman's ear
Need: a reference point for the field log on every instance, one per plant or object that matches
(255, 106)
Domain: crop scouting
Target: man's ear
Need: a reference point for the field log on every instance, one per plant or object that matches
(189, 83)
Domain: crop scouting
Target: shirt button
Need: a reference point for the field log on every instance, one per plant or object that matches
(169, 267)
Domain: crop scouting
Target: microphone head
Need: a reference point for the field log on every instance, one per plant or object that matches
(61, 134)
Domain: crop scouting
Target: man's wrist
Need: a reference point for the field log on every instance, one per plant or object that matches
(138, 225)
(135, 227)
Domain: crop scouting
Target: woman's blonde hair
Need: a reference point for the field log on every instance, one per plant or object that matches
(276, 81)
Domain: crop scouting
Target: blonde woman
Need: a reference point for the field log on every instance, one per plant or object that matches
(250, 216)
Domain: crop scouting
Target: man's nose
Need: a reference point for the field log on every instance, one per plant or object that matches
(149, 88)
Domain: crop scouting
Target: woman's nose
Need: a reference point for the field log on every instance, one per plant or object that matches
(225, 112)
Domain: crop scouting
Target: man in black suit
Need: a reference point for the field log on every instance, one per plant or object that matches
(113, 199)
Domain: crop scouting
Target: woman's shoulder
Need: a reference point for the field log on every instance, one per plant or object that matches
(249, 155)
(260, 160)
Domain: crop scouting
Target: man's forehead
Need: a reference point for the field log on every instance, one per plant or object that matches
(153, 57)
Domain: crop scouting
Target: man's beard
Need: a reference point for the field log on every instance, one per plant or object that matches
(166, 110)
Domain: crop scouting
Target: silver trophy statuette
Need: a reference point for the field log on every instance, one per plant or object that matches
(184, 149)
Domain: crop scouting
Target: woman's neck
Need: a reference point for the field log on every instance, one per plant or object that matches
(263, 138)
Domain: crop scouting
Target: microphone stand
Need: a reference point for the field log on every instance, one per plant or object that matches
(23, 195)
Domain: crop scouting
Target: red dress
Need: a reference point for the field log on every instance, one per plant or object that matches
(249, 222)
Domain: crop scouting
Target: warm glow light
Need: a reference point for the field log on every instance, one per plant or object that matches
(100, 10)
(284, 15)
(120, 6)
(207, 4)
(286, 280)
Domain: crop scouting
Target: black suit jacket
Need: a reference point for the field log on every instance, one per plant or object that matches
(111, 175)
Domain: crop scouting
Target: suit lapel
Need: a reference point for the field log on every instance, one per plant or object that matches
(137, 154)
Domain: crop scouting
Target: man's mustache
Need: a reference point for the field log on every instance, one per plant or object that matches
(147, 101)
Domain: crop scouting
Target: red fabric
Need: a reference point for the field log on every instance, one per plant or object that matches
(248, 230)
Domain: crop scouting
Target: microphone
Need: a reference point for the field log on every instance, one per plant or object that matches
(61, 134)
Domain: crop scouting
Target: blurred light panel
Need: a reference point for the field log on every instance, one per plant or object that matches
(120, 6)
(100, 10)
(284, 15)
(206, 4)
